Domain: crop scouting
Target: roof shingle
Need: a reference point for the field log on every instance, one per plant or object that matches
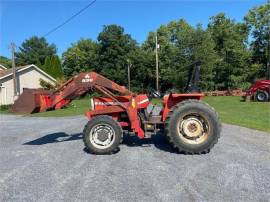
(10, 70)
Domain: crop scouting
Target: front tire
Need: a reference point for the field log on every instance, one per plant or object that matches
(193, 127)
(102, 135)
(262, 96)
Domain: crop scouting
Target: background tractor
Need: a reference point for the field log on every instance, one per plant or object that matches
(190, 125)
(259, 91)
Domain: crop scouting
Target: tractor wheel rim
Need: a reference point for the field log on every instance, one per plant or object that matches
(102, 136)
(193, 129)
(261, 96)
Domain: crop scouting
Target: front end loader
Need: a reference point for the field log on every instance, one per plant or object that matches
(190, 125)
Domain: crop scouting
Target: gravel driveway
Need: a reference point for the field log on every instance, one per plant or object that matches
(43, 159)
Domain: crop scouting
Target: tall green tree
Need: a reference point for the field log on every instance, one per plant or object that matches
(53, 67)
(181, 45)
(114, 52)
(258, 21)
(142, 70)
(82, 56)
(5, 61)
(203, 49)
(57, 67)
(231, 45)
(34, 51)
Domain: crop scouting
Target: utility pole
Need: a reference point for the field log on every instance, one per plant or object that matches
(157, 74)
(129, 66)
(268, 61)
(13, 46)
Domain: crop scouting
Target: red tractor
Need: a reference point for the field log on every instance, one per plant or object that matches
(190, 125)
(259, 91)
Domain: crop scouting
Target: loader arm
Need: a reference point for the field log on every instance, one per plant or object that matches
(75, 87)
(38, 100)
(83, 83)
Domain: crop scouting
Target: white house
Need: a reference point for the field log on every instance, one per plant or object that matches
(26, 77)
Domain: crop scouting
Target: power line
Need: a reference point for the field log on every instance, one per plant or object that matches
(70, 18)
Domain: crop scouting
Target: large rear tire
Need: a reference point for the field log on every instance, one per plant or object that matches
(192, 127)
(102, 135)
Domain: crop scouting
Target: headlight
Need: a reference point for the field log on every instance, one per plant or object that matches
(92, 104)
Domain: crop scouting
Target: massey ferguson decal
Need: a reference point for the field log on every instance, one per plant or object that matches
(87, 79)
(106, 103)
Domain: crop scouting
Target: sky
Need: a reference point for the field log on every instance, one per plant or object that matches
(22, 19)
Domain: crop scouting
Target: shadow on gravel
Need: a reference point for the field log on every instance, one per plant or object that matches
(131, 141)
(88, 152)
(157, 140)
(54, 138)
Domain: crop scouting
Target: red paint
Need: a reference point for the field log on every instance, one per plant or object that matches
(172, 99)
(108, 106)
(127, 104)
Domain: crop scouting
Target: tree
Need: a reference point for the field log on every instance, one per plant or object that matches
(258, 22)
(57, 67)
(204, 52)
(82, 56)
(5, 61)
(142, 70)
(34, 51)
(231, 45)
(53, 67)
(114, 52)
(181, 45)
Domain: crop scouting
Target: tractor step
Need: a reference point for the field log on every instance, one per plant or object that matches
(148, 134)
(150, 127)
(154, 120)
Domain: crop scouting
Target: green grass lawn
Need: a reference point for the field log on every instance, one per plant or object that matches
(231, 110)
(77, 107)
(4, 109)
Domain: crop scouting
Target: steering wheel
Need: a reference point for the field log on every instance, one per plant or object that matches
(154, 94)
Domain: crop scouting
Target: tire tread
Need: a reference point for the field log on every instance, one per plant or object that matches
(168, 119)
(85, 130)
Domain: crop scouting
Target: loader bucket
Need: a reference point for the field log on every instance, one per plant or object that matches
(30, 101)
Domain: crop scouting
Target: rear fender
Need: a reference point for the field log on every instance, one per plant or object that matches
(173, 98)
